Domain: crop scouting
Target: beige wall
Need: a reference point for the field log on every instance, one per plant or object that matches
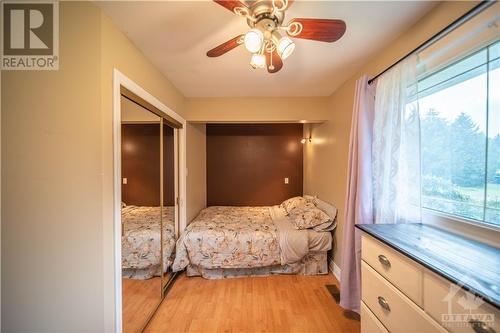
(326, 159)
(197, 171)
(57, 219)
(279, 109)
(52, 257)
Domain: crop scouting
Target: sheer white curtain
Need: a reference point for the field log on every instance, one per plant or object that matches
(396, 146)
(384, 165)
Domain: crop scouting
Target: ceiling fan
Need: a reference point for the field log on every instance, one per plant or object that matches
(269, 39)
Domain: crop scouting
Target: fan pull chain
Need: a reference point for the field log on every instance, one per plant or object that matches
(270, 47)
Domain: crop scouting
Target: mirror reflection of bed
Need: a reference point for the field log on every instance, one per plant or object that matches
(148, 175)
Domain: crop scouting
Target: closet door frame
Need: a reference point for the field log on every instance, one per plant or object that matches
(121, 81)
(176, 185)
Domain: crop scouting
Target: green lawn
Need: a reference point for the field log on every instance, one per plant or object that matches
(472, 207)
(477, 193)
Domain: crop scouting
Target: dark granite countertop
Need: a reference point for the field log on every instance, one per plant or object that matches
(473, 265)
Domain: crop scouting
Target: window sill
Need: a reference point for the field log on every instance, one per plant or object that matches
(482, 232)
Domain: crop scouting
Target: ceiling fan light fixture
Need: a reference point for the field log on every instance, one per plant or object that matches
(253, 40)
(258, 61)
(285, 47)
(268, 39)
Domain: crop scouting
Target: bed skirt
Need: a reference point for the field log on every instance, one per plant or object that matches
(145, 273)
(314, 263)
(141, 273)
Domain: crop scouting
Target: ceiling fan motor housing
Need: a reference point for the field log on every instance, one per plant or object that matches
(267, 26)
(264, 10)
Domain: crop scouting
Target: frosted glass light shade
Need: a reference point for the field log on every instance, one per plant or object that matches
(285, 47)
(258, 61)
(253, 40)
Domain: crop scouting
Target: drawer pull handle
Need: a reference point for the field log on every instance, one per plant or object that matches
(480, 327)
(383, 303)
(384, 261)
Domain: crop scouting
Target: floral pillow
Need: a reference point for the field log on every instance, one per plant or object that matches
(308, 216)
(311, 199)
(292, 203)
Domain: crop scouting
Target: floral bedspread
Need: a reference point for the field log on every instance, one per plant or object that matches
(141, 237)
(229, 237)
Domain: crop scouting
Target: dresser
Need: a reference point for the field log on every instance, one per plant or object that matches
(417, 278)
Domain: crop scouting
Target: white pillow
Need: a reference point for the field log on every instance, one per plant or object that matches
(327, 226)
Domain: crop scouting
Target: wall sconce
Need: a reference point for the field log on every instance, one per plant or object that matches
(306, 140)
(309, 139)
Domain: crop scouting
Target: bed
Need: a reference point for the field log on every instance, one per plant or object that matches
(141, 241)
(227, 241)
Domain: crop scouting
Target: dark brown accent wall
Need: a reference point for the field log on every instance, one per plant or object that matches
(168, 166)
(141, 164)
(247, 163)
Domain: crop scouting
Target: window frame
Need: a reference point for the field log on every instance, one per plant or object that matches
(477, 229)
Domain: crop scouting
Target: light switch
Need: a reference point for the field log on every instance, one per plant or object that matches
(286, 180)
(124, 181)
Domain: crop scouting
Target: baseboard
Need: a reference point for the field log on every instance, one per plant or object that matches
(334, 269)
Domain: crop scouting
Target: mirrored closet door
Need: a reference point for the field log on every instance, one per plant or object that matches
(141, 214)
(149, 211)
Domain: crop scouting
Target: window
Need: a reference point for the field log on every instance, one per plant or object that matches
(460, 137)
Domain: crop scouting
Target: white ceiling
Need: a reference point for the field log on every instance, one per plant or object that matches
(175, 36)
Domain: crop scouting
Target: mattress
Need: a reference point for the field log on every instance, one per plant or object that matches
(244, 237)
(141, 239)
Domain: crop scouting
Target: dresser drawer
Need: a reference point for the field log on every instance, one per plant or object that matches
(454, 307)
(394, 310)
(403, 273)
(370, 323)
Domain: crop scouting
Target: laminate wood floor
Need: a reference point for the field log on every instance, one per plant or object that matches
(281, 303)
(140, 298)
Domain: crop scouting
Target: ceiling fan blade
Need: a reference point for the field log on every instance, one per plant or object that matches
(323, 30)
(232, 4)
(273, 62)
(225, 47)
